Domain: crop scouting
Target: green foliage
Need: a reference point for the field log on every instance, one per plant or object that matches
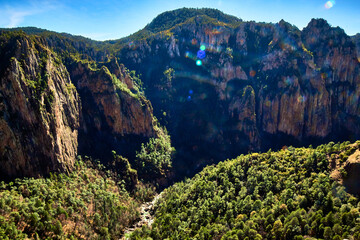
(274, 195)
(138, 84)
(154, 158)
(169, 74)
(122, 166)
(86, 204)
(169, 19)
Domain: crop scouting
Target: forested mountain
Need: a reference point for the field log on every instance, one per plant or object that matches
(224, 87)
(192, 88)
(56, 105)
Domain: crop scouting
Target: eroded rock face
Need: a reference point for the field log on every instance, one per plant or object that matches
(39, 111)
(114, 115)
(352, 168)
(305, 85)
(50, 113)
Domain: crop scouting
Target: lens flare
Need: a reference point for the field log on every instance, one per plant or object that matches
(190, 55)
(202, 47)
(329, 4)
(201, 54)
(198, 62)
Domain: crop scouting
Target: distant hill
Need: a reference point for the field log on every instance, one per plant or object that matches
(170, 19)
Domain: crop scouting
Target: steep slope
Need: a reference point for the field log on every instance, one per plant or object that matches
(56, 104)
(223, 89)
(115, 116)
(220, 85)
(275, 195)
(39, 112)
(356, 40)
(86, 204)
(64, 43)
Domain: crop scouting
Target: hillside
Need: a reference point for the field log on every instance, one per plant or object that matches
(274, 195)
(86, 204)
(57, 105)
(222, 89)
(192, 88)
(220, 86)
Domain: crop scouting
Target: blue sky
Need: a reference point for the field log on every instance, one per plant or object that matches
(113, 19)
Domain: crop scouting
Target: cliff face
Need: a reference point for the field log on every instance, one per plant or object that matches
(39, 112)
(356, 40)
(258, 86)
(221, 86)
(115, 116)
(50, 113)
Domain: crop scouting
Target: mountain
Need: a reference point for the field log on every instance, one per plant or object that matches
(55, 107)
(258, 85)
(274, 195)
(170, 19)
(192, 88)
(356, 40)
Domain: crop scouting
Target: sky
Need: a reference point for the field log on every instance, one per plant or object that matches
(114, 19)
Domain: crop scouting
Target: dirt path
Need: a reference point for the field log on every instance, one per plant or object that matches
(146, 217)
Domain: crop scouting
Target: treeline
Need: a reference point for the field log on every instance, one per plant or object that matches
(275, 195)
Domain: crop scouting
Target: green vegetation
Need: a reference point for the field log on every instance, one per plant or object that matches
(169, 19)
(169, 74)
(274, 195)
(154, 159)
(127, 174)
(86, 204)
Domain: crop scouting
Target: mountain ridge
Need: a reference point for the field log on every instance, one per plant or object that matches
(251, 75)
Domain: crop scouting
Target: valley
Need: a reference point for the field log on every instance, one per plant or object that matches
(249, 131)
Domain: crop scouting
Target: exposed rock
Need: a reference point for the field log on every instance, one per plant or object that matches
(48, 116)
(352, 168)
(306, 85)
(39, 112)
(113, 117)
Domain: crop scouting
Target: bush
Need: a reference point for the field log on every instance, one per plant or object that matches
(154, 158)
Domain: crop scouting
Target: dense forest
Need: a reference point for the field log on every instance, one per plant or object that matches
(89, 203)
(287, 194)
(274, 195)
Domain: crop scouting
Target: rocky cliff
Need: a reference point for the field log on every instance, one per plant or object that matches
(115, 115)
(356, 40)
(221, 86)
(51, 112)
(39, 110)
(240, 86)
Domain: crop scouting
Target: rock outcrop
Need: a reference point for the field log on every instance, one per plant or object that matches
(258, 86)
(51, 112)
(115, 115)
(39, 110)
(220, 85)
